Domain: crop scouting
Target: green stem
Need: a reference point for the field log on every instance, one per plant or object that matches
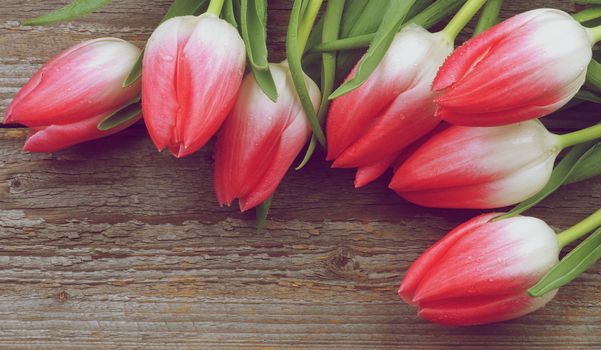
(461, 19)
(588, 14)
(427, 18)
(215, 7)
(489, 16)
(306, 24)
(354, 42)
(595, 34)
(580, 229)
(580, 136)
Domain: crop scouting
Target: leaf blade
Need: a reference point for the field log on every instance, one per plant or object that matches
(74, 10)
(397, 10)
(558, 177)
(585, 255)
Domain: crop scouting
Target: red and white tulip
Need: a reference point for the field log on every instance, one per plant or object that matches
(368, 127)
(481, 271)
(523, 68)
(260, 139)
(478, 167)
(192, 70)
(64, 102)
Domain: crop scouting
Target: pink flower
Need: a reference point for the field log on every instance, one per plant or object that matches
(368, 127)
(260, 140)
(192, 71)
(471, 167)
(64, 102)
(523, 68)
(481, 271)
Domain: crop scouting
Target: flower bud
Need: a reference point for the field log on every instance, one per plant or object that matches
(368, 127)
(523, 68)
(193, 67)
(260, 139)
(64, 102)
(473, 167)
(481, 271)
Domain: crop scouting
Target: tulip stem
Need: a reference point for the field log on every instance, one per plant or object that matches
(306, 24)
(461, 19)
(580, 229)
(215, 7)
(595, 34)
(580, 136)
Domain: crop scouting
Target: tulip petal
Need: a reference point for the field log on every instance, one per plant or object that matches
(159, 77)
(408, 118)
(60, 136)
(466, 156)
(419, 269)
(472, 311)
(503, 257)
(82, 81)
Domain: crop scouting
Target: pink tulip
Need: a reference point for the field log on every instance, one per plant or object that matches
(523, 68)
(481, 271)
(260, 140)
(64, 102)
(193, 67)
(471, 167)
(368, 127)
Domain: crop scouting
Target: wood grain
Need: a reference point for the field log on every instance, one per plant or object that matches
(113, 245)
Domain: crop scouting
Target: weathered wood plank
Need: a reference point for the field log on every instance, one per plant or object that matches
(113, 245)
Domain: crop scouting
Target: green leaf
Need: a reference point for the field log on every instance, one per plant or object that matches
(265, 81)
(558, 177)
(121, 116)
(296, 70)
(589, 96)
(261, 213)
(589, 165)
(253, 22)
(76, 9)
(418, 7)
(366, 22)
(396, 12)
(436, 12)
(489, 16)
(585, 255)
(330, 31)
(231, 9)
(593, 75)
(588, 14)
(177, 8)
(352, 12)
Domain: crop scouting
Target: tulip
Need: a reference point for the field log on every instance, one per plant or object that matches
(191, 74)
(368, 127)
(523, 68)
(64, 102)
(481, 271)
(471, 167)
(260, 139)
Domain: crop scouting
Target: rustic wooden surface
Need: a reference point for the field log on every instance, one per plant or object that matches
(113, 245)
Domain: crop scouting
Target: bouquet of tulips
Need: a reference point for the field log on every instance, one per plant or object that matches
(368, 82)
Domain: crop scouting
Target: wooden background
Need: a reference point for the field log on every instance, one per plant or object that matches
(113, 245)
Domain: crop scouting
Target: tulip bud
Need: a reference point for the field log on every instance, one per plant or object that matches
(64, 102)
(471, 167)
(523, 68)
(191, 75)
(260, 139)
(481, 271)
(368, 127)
